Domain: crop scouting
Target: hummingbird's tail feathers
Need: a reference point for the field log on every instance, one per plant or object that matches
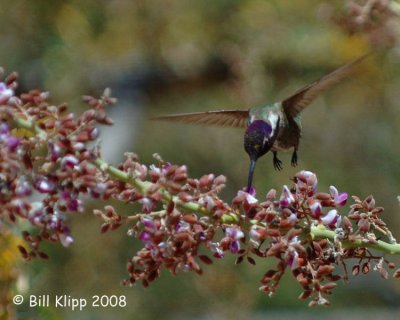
(296, 103)
(224, 118)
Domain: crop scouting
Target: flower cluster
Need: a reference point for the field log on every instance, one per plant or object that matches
(45, 164)
(49, 168)
(300, 227)
(376, 19)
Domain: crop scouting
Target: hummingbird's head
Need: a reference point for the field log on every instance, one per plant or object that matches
(259, 138)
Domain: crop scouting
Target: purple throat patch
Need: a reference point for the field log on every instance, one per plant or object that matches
(259, 125)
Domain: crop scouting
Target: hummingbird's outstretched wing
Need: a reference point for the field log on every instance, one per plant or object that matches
(224, 118)
(296, 103)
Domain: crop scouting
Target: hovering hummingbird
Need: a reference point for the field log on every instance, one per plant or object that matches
(275, 127)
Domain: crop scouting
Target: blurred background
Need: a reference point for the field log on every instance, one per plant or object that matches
(171, 56)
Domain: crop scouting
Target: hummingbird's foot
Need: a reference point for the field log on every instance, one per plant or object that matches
(277, 162)
(294, 158)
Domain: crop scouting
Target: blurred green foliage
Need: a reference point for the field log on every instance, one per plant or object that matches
(184, 56)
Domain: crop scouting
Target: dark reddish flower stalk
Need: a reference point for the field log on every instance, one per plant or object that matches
(183, 225)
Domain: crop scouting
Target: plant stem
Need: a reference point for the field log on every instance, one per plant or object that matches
(321, 232)
(144, 186)
(26, 124)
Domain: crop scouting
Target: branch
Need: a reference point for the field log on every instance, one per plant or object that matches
(320, 232)
(142, 186)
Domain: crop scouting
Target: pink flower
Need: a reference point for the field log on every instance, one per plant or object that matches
(54, 151)
(254, 234)
(13, 142)
(339, 198)
(216, 248)
(234, 234)
(23, 188)
(149, 223)
(286, 197)
(332, 219)
(148, 204)
(66, 239)
(71, 202)
(250, 199)
(293, 218)
(316, 210)
(94, 133)
(44, 185)
(5, 92)
(208, 202)
(145, 236)
(293, 260)
(69, 161)
(306, 179)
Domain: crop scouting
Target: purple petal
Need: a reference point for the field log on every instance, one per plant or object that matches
(249, 198)
(69, 161)
(234, 233)
(43, 185)
(182, 226)
(54, 151)
(331, 219)
(4, 129)
(286, 197)
(75, 205)
(234, 246)
(316, 210)
(251, 191)
(23, 188)
(165, 167)
(202, 235)
(13, 142)
(149, 223)
(145, 236)
(341, 199)
(147, 204)
(293, 261)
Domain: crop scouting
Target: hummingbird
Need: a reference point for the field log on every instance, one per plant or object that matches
(274, 127)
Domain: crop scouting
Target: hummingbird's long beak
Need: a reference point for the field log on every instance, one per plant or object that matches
(251, 172)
